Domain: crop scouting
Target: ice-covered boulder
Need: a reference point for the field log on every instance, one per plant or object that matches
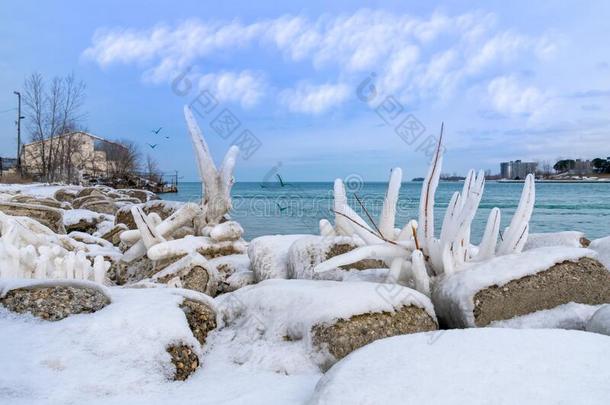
(66, 194)
(203, 245)
(307, 252)
(53, 300)
(310, 324)
(234, 272)
(602, 247)
(51, 217)
(46, 201)
(570, 316)
(269, 255)
(192, 272)
(229, 230)
(113, 235)
(142, 195)
(162, 208)
(600, 321)
(473, 366)
(201, 318)
(519, 284)
(567, 238)
(83, 220)
(105, 206)
(94, 196)
(184, 359)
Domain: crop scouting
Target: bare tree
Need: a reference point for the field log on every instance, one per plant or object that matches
(153, 174)
(52, 112)
(123, 158)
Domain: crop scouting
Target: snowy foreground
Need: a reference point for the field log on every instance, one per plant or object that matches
(111, 296)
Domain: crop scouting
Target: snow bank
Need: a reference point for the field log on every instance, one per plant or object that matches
(473, 366)
(568, 316)
(600, 321)
(568, 238)
(34, 189)
(269, 255)
(454, 294)
(602, 247)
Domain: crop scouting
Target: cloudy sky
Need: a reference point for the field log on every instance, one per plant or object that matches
(326, 89)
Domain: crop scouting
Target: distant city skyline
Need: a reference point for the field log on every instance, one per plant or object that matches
(523, 80)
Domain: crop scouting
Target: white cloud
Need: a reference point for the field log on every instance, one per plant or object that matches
(245, 87)
(314, 99)
(510, 97)
(414, 57)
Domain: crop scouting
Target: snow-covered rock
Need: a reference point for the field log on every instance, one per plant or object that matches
(600, 321)
(229, 230)
(307, 252)
(518, 284)
(602, 247)
(192, 272)
(269, 255)
(303, 325)
(473, 366)
(50, 217)
(233, 271)
(567, 238)
(163, 208)
(571, 316)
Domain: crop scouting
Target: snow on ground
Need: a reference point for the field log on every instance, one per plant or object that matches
(568, 238)
(34, 189)
(568, 316)
(454, 295)
(473, 366)
(74, 216)
(602, 247)
(117, 356)
(270, 322)
(600, 321)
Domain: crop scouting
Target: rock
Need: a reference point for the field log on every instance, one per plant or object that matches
(192, 272)
(229, 230)
(100, 190)
(602, 247)
(269, 255)
(225, 248)
(54, 303)
(142, 195)
(95, 196)
(520, 284)
(65, 194)
(51, 217)
(47, 202)
(87, 222)
(114, 234)
(233, 272)
(185, 361)
(472, 366)
(346, 335)
(163, 208)
(600, 321)
(101, 206)
(200, 317)
(322, 321)
(306, 253)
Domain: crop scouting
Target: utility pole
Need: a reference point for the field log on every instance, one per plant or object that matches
(18, 123)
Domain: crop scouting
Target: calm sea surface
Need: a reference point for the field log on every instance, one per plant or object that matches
(297, 207)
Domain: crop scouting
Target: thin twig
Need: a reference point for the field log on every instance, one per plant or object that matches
(414, 231)
(365, 228)
(369, 216)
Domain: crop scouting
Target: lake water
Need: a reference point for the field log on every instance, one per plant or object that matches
(297, 207)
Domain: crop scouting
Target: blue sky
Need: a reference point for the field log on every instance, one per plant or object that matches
(511, 80)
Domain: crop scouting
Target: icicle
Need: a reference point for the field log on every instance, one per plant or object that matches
(487, 248)
(326, 229)
(516, 235)
(420, 275)
(381, 251)
(100, 267)
(388, 211)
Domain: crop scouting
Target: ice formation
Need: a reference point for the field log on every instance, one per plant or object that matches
(415, 250)
(29, 249)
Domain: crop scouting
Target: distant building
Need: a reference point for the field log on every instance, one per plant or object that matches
(517, 170)
(85, 153)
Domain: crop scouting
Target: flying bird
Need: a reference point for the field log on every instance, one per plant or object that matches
(167, 137)
(152, 146)
(157, 131)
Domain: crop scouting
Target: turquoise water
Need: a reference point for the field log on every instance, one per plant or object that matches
(297, 207)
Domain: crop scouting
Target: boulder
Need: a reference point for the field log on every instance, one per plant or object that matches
(47, 202)
(94, 190)
(65, 194)
(104, 206)
(82, 220)
(192, 272)
(229, 230)
(201, 318)
(567, 238)
(269, 255)
(307, 252)
(184, 359)
(233, 272)
(519, 284)
(315, 322)
(163, 208)
(114, 234)
(51, 217)
(472, 366)
(94, 196)
(53, 303)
